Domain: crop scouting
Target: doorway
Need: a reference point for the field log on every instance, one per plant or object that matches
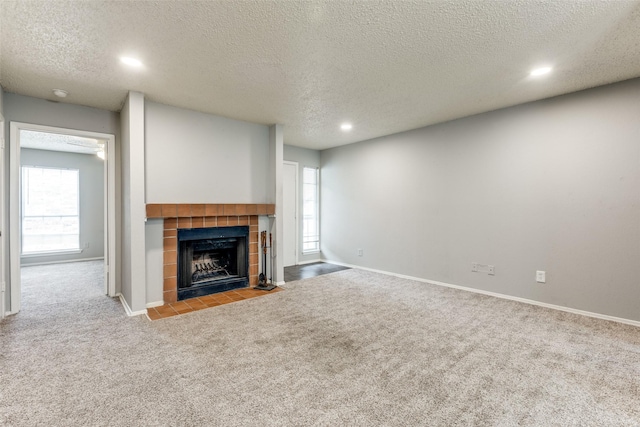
(290, 213)
(48, 221)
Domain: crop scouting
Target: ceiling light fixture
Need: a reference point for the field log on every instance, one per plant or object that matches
(540, 71)
(132, 62)
(346, 127)
(60, 93)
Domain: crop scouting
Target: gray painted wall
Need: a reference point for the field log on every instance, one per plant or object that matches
(133, 208)
(91, 174)
(194, 157)
(26, 109)
(309, 158)
(552, 185)
(4, 250)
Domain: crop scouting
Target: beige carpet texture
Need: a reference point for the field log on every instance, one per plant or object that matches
(350, 348)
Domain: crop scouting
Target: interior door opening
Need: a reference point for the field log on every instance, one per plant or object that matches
(62, 210)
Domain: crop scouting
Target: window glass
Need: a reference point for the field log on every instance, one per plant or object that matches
(310, 219)
(50, 210)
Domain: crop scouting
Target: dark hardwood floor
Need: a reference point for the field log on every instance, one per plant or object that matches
(297, 272)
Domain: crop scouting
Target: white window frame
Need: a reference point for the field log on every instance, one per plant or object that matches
(307, 238)
(23, 216)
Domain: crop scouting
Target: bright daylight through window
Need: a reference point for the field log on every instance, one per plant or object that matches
(50, 212)
(310, 220)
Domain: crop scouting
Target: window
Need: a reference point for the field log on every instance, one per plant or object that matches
(310, 220)
(50, 212)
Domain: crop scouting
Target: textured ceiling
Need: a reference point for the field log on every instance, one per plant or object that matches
(59, 142)
(385, 66)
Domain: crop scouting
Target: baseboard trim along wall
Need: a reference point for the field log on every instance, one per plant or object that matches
(61, 262)
(309, 262)
(495, 294)
(155, 304)
(128, 310)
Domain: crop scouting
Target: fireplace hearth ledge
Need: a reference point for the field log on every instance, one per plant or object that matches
(184, 210)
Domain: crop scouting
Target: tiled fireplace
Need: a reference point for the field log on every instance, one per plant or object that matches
(199, 216)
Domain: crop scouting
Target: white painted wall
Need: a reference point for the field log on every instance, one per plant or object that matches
(26, 109)
(91, 176)
(194, 157)
(133, 207)
(305, 158)
(552, 185)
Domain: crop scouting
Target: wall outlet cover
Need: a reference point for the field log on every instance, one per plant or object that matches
(541, 276)
(474, 267)
(491, 270)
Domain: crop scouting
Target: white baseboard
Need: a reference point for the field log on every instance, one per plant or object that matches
(280, 283)
(155, 304)
(66, 261)
(309, 262)
(128, 310)
(497, 295)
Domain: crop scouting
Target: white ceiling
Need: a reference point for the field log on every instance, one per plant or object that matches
(385, 66)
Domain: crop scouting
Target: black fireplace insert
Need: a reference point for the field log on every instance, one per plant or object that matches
(211, 260)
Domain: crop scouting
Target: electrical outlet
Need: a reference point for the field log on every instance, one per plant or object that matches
(491, 270)
(474, 267)
(86, 245)
(360, 252)
(541, 276)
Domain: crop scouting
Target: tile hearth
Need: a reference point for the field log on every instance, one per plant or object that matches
(213, 300)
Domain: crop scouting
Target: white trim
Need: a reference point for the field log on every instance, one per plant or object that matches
(62, 261)
(281, 283)
(309, 262)
(127, 309)
(497, 295)
(155, 304)
(51, 253)
(14, 207)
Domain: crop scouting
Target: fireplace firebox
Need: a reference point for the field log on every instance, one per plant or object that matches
(211, 260)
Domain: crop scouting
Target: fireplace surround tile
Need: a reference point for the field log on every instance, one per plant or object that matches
(184, 211)
(205, 215)
(197, 210)
(169, 210)
(211, 210)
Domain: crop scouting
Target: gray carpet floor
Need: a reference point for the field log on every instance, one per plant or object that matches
(347, 348)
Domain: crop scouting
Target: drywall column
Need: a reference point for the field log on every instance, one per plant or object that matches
(133, 205)
(276, 157)
(4, 260)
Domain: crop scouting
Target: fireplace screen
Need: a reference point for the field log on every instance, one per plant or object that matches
(211, 260)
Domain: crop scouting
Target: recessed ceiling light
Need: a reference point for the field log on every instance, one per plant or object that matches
(60, 93)
(346, 127)
(133, 62)
(540, 71)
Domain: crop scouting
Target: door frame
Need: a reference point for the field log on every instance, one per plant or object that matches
(14, 205)
(297, 203)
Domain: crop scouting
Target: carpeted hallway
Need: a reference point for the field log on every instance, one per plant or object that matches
(346, 348)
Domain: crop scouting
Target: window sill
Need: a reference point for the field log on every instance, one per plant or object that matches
(50, 253)
(310, 252)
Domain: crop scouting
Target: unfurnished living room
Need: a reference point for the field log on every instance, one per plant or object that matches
(322, 213)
